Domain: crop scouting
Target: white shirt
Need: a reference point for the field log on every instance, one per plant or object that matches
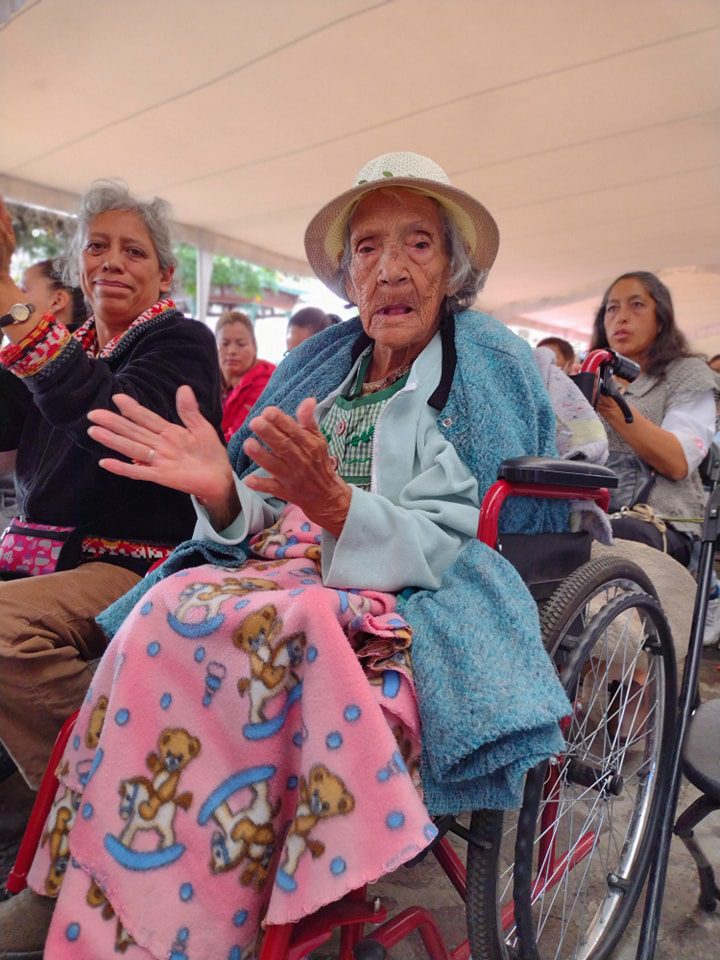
(693, 423)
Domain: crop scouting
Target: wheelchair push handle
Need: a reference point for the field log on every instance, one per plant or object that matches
(609, 363)
(610, 389)
(605, 365)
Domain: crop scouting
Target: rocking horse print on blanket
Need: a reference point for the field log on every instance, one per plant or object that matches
(151, 805)
(274, 661)
(246, 836)
(97, 899)
(60, 823)
(321, 796)
(198, 613)
(246, 800)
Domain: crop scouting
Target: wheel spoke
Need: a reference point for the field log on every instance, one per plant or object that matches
(615, 660)
(614, 733)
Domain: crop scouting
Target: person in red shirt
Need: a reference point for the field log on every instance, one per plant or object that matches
(244, 376)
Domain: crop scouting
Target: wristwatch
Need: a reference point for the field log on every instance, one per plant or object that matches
(18, 313)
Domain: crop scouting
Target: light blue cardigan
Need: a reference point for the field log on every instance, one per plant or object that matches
(488, 694)
(421, 507)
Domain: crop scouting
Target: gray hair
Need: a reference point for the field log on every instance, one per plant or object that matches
(466, 279)
(106, 195)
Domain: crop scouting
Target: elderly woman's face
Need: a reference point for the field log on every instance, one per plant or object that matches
(119, 272)
(399, 267)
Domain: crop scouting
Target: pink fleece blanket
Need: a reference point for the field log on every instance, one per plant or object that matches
(247, 752)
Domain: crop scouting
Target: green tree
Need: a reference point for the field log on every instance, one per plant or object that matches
(40, 234)
(248, 279)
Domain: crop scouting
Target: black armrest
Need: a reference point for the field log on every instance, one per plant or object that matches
(560, 473)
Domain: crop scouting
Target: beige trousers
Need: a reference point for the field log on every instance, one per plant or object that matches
(47, 636)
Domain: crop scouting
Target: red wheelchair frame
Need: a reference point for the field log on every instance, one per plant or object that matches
(351, 914)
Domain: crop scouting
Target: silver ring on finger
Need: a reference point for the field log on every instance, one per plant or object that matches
(151, 455)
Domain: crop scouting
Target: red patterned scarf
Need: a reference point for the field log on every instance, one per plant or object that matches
(87, 333)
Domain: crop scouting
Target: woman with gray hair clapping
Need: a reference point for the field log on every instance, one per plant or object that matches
(92, 535)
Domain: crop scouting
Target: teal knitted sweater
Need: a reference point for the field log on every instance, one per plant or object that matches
(488, 694)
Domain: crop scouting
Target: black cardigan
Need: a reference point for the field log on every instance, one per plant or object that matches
(44, 417)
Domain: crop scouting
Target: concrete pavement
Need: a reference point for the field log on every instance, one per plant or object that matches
(686, 932)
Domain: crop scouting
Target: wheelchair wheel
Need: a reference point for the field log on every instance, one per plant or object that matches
(581, 841)
(564, 616)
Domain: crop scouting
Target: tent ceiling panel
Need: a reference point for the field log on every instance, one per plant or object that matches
(108, 62)
(591, 130)
(645, 157)
(685, 195)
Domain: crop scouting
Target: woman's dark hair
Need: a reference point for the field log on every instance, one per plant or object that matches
(312, 318)
(563, 346)
(52, 271)
(669, 344)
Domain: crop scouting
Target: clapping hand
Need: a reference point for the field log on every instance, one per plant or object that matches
(190, 458)
(295, 455)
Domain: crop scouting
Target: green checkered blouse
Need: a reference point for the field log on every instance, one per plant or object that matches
(349, 427)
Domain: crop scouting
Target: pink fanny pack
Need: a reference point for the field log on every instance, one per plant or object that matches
(30, 549)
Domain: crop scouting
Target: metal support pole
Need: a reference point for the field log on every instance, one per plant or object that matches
(658, 869)
(203, 277)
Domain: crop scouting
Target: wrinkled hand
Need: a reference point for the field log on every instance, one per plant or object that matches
(296, 457)
(189, 458)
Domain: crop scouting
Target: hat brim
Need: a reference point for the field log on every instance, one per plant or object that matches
(325, 232)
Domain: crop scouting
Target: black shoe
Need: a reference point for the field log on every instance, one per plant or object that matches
(16, 802)
(7, 764)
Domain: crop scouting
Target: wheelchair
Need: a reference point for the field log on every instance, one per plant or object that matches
(560, 877)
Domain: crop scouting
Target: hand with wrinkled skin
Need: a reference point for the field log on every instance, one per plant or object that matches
(295, 455)
(190, 458)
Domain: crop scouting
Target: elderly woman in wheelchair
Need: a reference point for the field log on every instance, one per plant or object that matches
(250, 747)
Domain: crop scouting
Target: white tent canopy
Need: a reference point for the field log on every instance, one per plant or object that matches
(590, 128)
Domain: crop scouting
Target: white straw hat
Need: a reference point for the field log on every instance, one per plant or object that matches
(325, 233)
